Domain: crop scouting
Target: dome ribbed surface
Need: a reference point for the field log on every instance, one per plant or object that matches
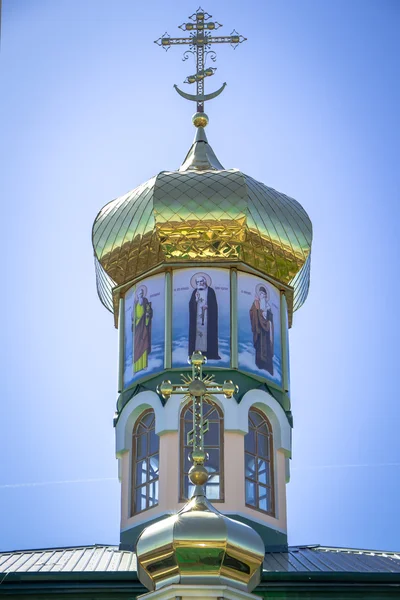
(199, 546)
(205, 215)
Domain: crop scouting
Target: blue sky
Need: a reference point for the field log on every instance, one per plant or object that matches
(88, 112)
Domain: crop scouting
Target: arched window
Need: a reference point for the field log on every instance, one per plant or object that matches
(258, 457)
(213, 445)
(145, 461)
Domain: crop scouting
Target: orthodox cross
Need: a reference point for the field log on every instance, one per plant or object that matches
(197, 388)
(200, 41)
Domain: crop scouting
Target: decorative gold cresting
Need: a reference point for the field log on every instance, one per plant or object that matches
(199, 545)
(197, 388)
(200, 41)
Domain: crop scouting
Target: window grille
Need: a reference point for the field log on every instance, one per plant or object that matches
(145, 463)
(258, 457)
(213, 446)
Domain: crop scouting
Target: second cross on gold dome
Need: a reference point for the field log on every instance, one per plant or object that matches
(200, 41)
(197, 388)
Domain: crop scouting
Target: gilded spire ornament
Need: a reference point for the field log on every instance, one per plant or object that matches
(200, 41)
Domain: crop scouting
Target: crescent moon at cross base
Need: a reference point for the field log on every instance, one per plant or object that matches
(200, 97)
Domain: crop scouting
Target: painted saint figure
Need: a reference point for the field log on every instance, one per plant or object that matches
(262, 326)
(203, 317)
(142, 315)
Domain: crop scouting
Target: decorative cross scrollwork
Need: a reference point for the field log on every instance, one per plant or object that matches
(200, 41)
(197, 387)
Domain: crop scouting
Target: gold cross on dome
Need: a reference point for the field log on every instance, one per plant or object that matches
(200, 41)
(197, 387)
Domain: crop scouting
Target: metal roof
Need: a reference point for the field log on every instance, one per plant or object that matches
(110, 559)
(322, 559)
(96, 559)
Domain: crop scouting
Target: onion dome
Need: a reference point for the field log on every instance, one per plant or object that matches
(202, 213)
(199, 546)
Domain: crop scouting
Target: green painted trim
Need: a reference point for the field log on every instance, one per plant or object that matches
(121, 344)
(99, 578)
(123, 399)
(280, 397)
(329, 590)
(284, 344)
(245, 382)
(79, 576)
(168, 321)
(214, 369)
(128, 537)
(74, 585)
(289, 417)
(326, 577)
(274, 541)
(234, 320)
(119, 589)
(285, 402)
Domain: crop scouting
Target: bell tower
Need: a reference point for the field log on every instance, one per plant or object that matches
(202, 268)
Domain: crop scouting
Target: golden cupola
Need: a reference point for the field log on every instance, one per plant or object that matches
(200, 545)
(202, 213)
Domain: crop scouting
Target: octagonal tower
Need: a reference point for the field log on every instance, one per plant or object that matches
(203, 259)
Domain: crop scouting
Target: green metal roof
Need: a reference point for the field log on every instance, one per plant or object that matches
(84, 559)
(110, 559)
(106, 572)
(322, 559)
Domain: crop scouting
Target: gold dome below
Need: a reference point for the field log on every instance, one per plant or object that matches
(200, 546)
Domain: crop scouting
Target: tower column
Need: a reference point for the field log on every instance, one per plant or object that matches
(203, 259)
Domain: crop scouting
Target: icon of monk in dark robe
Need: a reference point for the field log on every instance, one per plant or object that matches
(262, 326)
(203, 317)
(142, 315)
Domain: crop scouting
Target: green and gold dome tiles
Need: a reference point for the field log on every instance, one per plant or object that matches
(202, 214)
